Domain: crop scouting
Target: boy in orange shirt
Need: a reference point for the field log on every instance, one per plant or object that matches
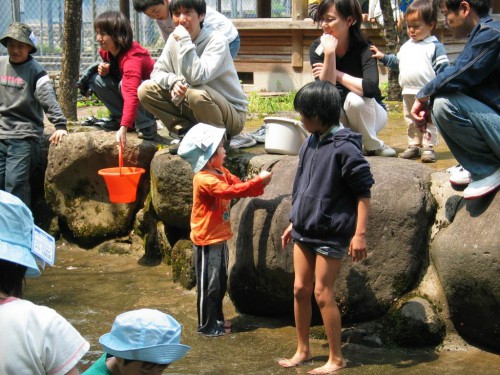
(213, 188)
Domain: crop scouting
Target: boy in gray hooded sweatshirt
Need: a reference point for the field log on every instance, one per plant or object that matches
(25, 94)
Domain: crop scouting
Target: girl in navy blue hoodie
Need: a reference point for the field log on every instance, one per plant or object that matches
(330, 204)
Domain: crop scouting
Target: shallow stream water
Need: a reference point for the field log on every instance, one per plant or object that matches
(91, 288)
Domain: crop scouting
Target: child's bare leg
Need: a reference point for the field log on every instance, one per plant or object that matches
(326, 273)
(303, 264)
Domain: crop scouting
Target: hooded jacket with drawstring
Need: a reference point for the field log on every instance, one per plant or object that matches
(332, 175)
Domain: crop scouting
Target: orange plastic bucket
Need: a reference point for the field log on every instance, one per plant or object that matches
(122, 182)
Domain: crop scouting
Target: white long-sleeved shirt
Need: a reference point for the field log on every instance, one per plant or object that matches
(418, 63)
(204, 61)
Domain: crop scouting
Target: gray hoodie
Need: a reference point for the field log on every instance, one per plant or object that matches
(26, 92)
(206, 61)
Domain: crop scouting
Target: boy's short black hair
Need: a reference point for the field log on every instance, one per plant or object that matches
(425, 9)
(482, 7)
(117, 26)
(319, 99)
(142, 5)
(200, 6)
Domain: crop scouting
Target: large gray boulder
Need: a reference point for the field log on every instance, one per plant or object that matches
(402, 212)
(172, 189)
(79, 196)
(466, 255)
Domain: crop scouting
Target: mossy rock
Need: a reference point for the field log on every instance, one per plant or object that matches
(416, 323)
(183, 264)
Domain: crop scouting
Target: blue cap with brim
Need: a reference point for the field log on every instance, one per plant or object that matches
(145, 335)
(16, 233)
(199, 144)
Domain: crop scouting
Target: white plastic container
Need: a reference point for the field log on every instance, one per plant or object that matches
(284, 136)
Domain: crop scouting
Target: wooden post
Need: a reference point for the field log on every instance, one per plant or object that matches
(263, 8)
(125, 8)
(299, 9)
(299, 12)
(495, 6)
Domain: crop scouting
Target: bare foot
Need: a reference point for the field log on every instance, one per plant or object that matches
(227, 324)
(297, 360)
(328, 368)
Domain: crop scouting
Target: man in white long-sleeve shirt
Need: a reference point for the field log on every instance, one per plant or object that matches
(194, 80)
(158, 10)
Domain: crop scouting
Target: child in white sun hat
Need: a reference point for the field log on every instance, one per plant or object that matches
(213, 188)
(144, 341)
(34, 339)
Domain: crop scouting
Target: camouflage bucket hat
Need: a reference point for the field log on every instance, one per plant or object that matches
(20, 32)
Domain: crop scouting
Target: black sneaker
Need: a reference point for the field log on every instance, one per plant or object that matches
(108, 125)
(147, 133)
(90, 121)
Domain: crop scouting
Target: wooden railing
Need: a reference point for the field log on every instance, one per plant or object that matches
(286, 42)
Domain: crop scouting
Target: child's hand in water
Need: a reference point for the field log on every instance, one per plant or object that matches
(266, 177)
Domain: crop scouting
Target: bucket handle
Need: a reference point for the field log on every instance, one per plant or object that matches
(120, 157)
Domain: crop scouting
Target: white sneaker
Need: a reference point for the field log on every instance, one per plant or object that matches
(460, 176)
(483, 187)
(385, 151)
(242, 140)
(454, 169)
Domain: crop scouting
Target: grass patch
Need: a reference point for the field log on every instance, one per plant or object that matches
(262, 105)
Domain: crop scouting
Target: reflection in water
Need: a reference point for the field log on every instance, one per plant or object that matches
(90, 289)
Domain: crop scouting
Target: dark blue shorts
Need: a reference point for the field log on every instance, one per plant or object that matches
(337, 252)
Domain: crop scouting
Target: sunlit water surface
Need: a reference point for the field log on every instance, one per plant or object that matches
(90, 289)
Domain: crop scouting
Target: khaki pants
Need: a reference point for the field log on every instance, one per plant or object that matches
(415, 136)
(201, 104)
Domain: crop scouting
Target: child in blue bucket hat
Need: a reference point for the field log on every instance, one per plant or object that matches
(142, 341)
(34, 339)
(213, 188)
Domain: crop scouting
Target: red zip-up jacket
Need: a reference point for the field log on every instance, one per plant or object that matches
(135, 66)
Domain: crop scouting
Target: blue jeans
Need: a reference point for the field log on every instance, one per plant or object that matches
(471, 130)
(18, 160)
(234, 47)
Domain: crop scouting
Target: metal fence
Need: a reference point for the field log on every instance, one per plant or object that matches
(46, 18)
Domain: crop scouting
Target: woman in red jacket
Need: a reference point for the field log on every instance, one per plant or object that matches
(125, 64)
